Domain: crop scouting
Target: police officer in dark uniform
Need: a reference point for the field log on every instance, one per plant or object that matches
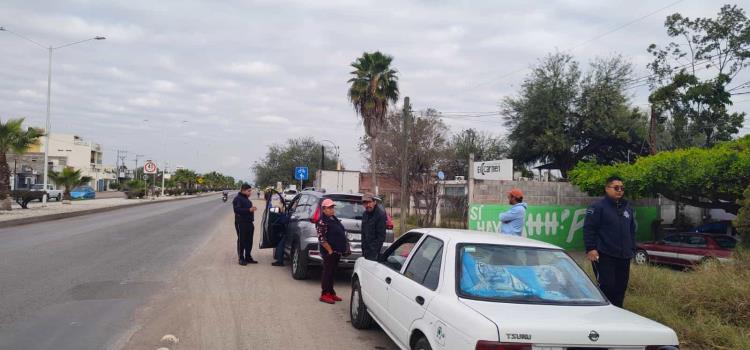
(609, 237)
(373, 227)
(244, 215)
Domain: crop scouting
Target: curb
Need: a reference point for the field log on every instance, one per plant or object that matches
(52, 217)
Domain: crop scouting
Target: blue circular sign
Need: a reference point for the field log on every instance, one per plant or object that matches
(441, 175)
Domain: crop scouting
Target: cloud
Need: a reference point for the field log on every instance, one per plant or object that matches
(254, 68)
(30, 94)
(273, 119)
(145, 101)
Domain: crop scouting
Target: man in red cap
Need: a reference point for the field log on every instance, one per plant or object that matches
(511, 221)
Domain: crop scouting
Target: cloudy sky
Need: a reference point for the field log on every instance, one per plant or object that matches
(209, 85)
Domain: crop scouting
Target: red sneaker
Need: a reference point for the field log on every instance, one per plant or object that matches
(336, 297)
(326, 298)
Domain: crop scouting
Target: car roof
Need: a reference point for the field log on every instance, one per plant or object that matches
(482, 237)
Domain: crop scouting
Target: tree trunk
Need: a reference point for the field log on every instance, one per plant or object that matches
(373, 162)
(5, 200)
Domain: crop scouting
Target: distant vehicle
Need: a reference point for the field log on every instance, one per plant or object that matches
(51, 191)
(83, 192)
(460, 289)
(686, 249)
(289, 194)
(309, 189)
(718, 227)
(302, 238)
(343, 181)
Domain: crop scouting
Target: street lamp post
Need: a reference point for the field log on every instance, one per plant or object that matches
(335, 147)
(48, 123)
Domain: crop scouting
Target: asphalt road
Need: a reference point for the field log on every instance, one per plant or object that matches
(124, 279)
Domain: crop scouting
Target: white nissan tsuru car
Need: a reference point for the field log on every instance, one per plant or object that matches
(461, 289)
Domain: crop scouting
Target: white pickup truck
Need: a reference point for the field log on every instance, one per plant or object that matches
(51, 191)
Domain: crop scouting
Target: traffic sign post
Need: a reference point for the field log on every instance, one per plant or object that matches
(300, 173)
(149, 167)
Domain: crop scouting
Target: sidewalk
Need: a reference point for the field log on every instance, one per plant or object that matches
(56, 210)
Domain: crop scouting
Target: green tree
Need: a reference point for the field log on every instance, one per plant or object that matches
(186, 179)
(483, 145)
(692, 98)
(703, 177)
(742, 222)
(281, 159)
(562, 116)
(13, 139)
(373, 87)
(68, 178)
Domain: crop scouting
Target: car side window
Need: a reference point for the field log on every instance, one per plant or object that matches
(397, 253)
(420, 264)
(696, 242)
(302, 206)
(673, 240)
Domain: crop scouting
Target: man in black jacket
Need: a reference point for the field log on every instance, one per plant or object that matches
(373, 227)
(244, 215)
(609, 237)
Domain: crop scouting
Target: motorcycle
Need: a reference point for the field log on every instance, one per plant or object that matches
(224, 197)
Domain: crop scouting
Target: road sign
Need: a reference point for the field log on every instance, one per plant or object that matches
(145, 177)
(441, 175)
(300, 173)
(149, 167)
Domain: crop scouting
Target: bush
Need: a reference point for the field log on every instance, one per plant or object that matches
(135, 189)
(708, 307)
(115, 186)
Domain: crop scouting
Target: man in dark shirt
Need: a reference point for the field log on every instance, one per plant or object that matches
(244, 215)
(609, 237)
(373, 227)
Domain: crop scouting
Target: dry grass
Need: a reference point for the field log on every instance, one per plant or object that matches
(708, 307)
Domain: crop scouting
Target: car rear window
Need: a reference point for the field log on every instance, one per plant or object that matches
(726, 242)
(523, 275)
(348, 208)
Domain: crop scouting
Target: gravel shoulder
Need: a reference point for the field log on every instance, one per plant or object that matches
(215, 303)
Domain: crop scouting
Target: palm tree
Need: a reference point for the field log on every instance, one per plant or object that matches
(373, 86)
(13, 138)
(69, 178)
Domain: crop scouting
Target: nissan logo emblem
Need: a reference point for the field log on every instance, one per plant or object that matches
(593, 336)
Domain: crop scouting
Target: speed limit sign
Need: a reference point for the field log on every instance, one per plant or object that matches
(149, 167)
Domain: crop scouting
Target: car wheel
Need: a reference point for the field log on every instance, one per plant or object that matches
(361, 319)
(641, 257)
(422, 344)
(709, 260)
(299, 263)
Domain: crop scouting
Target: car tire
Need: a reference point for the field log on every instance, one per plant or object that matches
(299, 263)
(641, 257)
(422, 344)
(358, 314)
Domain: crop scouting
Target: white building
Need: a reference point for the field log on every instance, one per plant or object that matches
(79, 154)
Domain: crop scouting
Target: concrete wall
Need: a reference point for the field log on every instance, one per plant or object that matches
(536, 192)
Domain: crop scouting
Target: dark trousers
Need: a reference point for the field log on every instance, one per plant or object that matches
(613, 275)
(329, 269)
(245, 232)
(280, 249)
(371, 250)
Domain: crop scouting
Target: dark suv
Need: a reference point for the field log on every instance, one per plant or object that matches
(302, 238)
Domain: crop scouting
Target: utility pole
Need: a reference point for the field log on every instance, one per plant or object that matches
(322, 157)
(121, 155)
(163, 171)
(404, 169)
(471, 181)
(652, 131)
(135, 170)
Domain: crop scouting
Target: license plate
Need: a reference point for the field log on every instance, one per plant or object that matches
(354, 236)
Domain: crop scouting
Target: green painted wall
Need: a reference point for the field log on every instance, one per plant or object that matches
(561, 225)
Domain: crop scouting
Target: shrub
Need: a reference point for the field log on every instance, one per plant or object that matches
(135, 189)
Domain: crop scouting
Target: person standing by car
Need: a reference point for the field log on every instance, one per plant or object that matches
(244, 215)
(609, 237)
(373, 227)
(333, 245)
(511, 221)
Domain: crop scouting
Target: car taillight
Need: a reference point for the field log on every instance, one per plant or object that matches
(316, 216)
(662, 347)
(388, 222)
(493, 345)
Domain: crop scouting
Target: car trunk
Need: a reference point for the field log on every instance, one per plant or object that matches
(600, 326)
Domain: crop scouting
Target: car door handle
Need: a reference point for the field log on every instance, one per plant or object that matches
(419, 300)
(388, 280)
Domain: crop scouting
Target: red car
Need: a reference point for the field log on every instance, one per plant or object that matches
(686, 249)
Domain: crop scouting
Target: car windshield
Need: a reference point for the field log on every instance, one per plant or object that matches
(523, 274)
(348, 209)
(79, 189)
(37, 187)
(726, 242)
